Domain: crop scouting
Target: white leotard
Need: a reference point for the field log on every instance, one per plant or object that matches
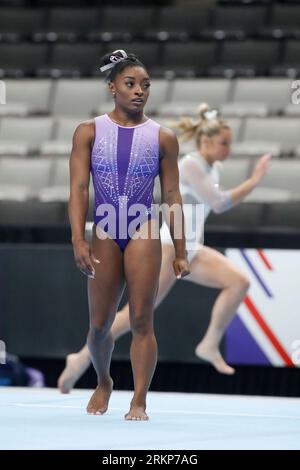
(199, 185)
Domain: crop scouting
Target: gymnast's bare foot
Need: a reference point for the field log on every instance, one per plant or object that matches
(213, 356)
(76, 365)
(98, 403)
(137, 412)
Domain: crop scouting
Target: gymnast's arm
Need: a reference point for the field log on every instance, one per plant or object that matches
(169, 179)
(193, 174)
(79, 193)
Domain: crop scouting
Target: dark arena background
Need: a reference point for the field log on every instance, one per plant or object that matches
(240, 57)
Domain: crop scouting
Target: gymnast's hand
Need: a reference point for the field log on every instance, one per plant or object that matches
(181, 267)
(84, 258)
(261, 168)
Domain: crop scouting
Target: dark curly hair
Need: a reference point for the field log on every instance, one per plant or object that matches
(130, 61)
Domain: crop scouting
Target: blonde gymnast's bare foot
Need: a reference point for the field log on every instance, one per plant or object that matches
(76, 365)
(213, 356)
(98, 403)
(137, 412)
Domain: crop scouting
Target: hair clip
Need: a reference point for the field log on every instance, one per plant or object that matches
(210, 115)
(114, 59)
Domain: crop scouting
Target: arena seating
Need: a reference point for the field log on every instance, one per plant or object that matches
(241, 58)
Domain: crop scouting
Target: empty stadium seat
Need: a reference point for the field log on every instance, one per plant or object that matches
(188, 20)
(290, 62)
(283, 175)
(259, 96)
(186, 95)
(292, 110)
(21, 22)
(244, 109)
(188, 58)
(22, 59)
(274, 135)
(78, 59)
(78, 97)
(30, 95)
(22, 136)
(27, 174)
(61, 144)
(297, 151)
(236, 126)
(245, 18)
(73, 20)
(269, 195)
(234, 172)
(285, 17)
(59, 184)
(247, 57)
(12, 192)
(128, 19)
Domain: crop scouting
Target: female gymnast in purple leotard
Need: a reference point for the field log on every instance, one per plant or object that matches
(124, 151)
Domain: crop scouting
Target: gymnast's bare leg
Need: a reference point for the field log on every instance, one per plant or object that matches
(104, 293)
(142, 262)
(212, 269)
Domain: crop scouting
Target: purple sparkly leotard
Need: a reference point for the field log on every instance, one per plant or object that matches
(124, 163)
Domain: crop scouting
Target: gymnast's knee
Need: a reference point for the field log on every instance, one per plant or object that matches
(98, 332)
(142, 323)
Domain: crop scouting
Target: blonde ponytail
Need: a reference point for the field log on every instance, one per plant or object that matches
(206, 123)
